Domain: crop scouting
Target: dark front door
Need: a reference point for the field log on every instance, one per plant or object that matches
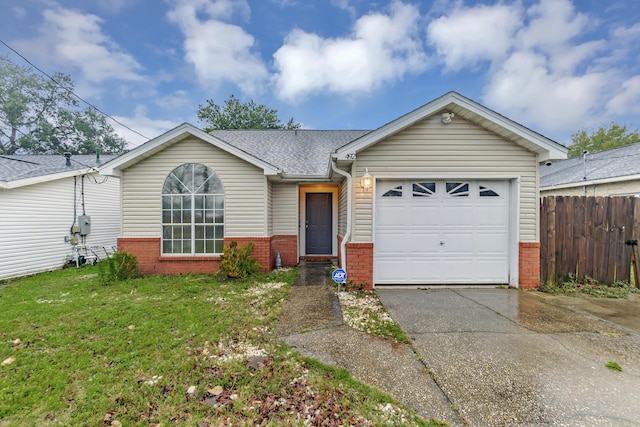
(318, 223)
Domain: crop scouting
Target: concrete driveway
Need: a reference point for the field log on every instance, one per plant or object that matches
(504, 357)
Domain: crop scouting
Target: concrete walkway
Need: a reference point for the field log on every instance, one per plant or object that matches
(490, 357)
(311, 322)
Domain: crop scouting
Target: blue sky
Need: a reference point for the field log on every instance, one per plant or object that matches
(556, 66)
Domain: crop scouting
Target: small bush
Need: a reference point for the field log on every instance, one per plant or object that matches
(236, 262)
(118, 267)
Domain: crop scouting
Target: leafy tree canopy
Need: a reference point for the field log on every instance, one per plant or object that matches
(604, 138)
(42, 116)
(237, 115)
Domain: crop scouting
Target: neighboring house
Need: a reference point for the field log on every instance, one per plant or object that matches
(41, 198)
(614, 172)
(446, 194)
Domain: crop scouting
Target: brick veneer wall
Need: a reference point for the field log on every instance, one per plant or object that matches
(150, 262)
(147, 249)
(287, 245)
(529, 267)
(360, 264)
(261, 249)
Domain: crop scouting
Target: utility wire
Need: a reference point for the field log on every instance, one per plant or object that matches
(70, 91)
(6, 156)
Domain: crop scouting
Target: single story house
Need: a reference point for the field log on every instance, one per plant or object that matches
(614, 172)
(446, 194)
(41, 200)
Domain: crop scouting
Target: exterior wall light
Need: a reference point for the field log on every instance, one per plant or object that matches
(367, 180)
(447, 117)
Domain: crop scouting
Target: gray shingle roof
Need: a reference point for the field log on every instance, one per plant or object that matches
(296, 152)
(617, 162)
(16, 167)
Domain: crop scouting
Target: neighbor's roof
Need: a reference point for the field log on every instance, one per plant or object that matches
(615, 164)
(298, 152)
(27, 169)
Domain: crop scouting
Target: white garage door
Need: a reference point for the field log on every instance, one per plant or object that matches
(442, 232)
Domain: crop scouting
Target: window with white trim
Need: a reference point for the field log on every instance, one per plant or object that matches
(192, 211)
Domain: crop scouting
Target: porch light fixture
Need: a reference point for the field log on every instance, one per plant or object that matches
(367, 180)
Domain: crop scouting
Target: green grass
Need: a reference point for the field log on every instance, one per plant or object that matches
(88, 354)
(588, 286)
(363, 310)
(614, 366)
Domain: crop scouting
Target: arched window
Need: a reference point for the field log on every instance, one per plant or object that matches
(192, 211)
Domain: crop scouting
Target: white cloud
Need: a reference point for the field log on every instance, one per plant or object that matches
(627, 101)
(526, 89)
(541, 73)
(381, 49)
(69, 39)
(553, 24)
(471, 35)
(146, 126)
(219, 51)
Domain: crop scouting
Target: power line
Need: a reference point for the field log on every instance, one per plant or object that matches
(70, 91)
(58, 153)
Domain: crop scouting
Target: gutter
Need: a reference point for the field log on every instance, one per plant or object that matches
(347, 234)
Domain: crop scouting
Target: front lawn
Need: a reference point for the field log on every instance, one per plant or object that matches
(190, 350)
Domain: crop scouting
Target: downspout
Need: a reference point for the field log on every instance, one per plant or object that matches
(347, 233)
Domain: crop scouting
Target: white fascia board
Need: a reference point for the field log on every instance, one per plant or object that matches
(115, 166)
(306, 178)
(45, 178)
(548, 149)
(592, 182)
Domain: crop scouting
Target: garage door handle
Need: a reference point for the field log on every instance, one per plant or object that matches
(441, 243)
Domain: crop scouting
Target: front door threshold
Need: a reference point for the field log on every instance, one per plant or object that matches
(319, 258)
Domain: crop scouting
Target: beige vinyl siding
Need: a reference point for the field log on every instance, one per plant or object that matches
(460, 149)
(244, 186)
(269, 207)
(342, 208)
(35, 219)
(285, 208)
(622, 188)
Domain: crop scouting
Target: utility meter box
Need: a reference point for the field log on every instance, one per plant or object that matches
(84, 221)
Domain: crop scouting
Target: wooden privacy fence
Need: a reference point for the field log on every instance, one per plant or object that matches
(586, 236)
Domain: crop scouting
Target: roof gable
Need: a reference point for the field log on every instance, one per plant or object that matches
(173, 136)
(461, 106)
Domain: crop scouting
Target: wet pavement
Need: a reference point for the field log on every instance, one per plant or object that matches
(480, 357)
(506, 357)
(311, 323)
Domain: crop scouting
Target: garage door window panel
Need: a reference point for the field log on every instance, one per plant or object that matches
(424, 189)
(394, 192)
(457, 189)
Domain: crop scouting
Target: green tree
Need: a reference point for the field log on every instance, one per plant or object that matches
(237, 115)
(42, 116)
(604, 138)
